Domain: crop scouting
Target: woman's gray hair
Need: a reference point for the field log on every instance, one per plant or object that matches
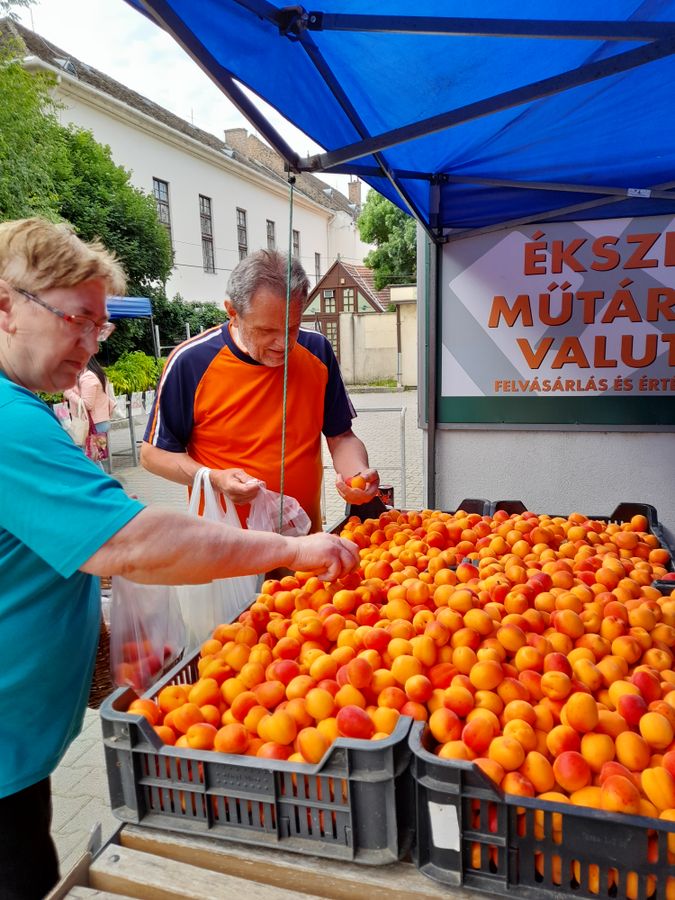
(265, 269)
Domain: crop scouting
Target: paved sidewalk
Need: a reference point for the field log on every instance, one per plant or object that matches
(79, 785)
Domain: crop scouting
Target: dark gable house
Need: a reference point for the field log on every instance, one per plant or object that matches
(345, 288)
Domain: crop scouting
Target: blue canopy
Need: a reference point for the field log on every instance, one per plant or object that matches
(129, 308)
(469, 114)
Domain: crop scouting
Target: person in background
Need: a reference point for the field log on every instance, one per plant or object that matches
(96, 392)
(63, 522)
(219, 402)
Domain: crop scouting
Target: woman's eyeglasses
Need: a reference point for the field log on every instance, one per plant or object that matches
(87, 326)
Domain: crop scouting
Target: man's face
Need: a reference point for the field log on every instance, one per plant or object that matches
(261, 330)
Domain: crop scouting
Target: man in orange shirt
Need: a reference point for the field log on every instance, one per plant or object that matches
(220, 399)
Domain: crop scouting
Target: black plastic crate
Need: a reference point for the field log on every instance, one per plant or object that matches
(666, 587)
(470, 834)
(376, 507)
(356, 804)
(624, 512)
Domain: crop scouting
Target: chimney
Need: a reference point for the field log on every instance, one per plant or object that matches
(354, 192)
(237, 138)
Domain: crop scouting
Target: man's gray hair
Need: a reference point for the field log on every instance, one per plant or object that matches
(266, 269)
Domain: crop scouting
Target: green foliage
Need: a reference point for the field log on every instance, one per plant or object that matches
(63, 173)
(129, 335)
(170, 316)
(134, 372)
(49, 398)
(394, 261)
(32, 153)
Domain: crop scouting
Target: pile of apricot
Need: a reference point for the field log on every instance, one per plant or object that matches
(533, 645)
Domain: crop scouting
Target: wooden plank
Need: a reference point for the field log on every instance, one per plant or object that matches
(149, 877)
(85, 893)
(324, 877)
(77, 875)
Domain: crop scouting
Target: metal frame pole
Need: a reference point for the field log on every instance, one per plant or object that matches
(403, 465)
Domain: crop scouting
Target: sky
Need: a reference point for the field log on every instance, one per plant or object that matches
(112, 37)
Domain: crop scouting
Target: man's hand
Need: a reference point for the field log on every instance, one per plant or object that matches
(236, 484)
(359, 492)
(326, 555)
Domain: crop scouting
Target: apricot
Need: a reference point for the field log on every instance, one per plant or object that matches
(538, 770)
(656, 730)
(455, 750)
(354, 722)
(319, 703)
(459, 699)
(166, 735)
(146, 708)
(184, 716)
(619, 794)
(279, 727)
(231, 739)
(477, 734)
(171, 697)
(597, 749)
(562, 738)
(632, 751)
(312, 744)
(508, 752)
(445, 725)
(571, 771)
(659, 786)
(581, 712)
(384, 718)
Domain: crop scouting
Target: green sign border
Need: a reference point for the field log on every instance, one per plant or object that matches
(613, 410)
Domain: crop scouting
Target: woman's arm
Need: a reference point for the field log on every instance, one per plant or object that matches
(162, 547)
(89, 386)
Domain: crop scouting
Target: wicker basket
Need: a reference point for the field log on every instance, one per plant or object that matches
(101, 683)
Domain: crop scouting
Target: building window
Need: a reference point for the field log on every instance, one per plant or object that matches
(206, 225)
(271, 236)
(348, 299)
(296, 244)
(242, 233)
(317, 266)
(160, 189)
(332, 335)
(329, 301)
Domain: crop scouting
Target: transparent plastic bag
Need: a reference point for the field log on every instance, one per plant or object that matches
(206, 605)
(264, 514)
(147, 632)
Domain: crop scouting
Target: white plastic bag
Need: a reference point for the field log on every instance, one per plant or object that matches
(78, 427)
(206, 605)
(264, 514)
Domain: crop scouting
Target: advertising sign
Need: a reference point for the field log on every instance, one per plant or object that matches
(559, 323)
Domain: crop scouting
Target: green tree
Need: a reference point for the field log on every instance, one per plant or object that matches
(32, 152)
(394, 259)
(63, 173)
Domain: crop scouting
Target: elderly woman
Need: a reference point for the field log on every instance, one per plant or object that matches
(63, 521)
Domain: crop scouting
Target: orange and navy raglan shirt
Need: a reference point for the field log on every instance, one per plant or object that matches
(224, 409)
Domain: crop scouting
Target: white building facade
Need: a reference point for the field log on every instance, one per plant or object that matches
(218, 201)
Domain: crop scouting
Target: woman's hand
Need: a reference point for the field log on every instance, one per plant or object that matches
(325, 555)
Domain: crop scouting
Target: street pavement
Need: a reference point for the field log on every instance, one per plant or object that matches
(79, 785)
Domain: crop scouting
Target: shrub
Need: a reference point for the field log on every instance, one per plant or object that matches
(134, 372)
